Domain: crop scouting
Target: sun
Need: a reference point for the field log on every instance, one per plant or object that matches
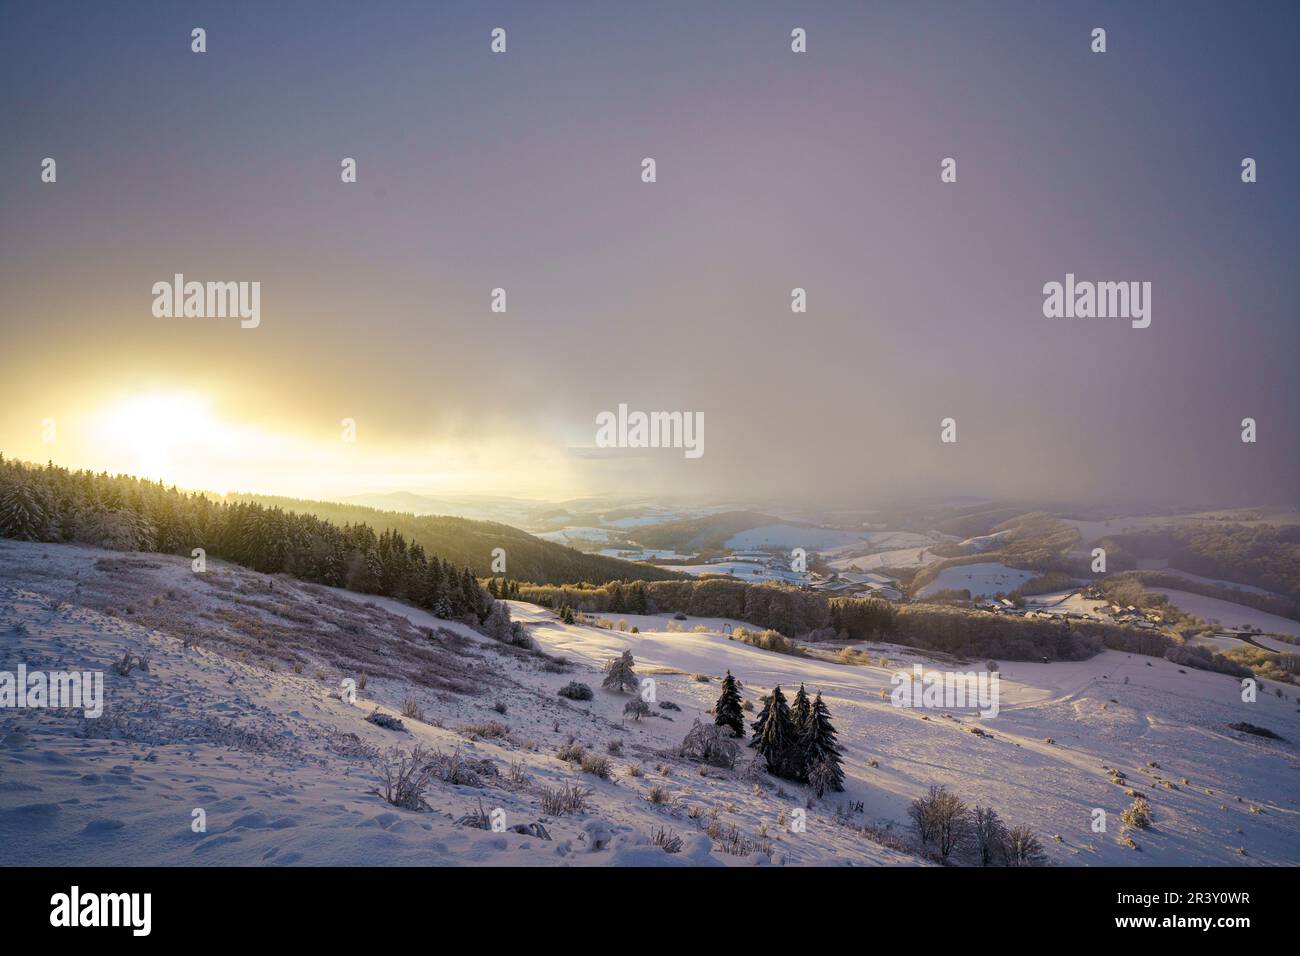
(152, 435)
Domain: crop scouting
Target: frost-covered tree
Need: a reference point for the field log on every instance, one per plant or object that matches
(941, 820)
(776, 736)
(1023, 848)
(21, 513)
(821, 753)
(619, 673)
(711, 744)
(728, 712)
(988, 837)
(801, 716)
(498, 624)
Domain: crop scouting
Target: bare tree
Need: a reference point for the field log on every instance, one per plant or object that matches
(1023, 848)
(941, 820)
(988, 837)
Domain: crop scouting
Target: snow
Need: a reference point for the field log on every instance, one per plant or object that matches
(982, 580)
(265, 752)
(899, 558)
(1220, 583)
(644, 554)
(787, 536)
(566, 535)
(745, 570)
(1230, 614)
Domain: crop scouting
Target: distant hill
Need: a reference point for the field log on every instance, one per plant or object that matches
(466, 542)
(709, 533)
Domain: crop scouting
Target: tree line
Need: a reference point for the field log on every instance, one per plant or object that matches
(129, 514)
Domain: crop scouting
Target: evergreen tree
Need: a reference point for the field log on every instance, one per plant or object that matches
(776, 738)
(619, 673)
(728, 712)
(638, 602)
(761, 721)
(821, 752)
(802, 717)
(498, 624)
(21, 514)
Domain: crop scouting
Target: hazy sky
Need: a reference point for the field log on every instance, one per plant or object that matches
(775, 170)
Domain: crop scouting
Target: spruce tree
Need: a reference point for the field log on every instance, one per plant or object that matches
(21, 514)
(728, 712)
(777, 737)
(761, 721)
(821, 751)
(802, 717)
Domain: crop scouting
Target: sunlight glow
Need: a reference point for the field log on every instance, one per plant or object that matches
(183, 439)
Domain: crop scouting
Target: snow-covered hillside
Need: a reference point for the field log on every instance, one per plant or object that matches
(240, 716)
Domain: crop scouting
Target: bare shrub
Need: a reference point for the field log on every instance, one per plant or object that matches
(462, 771)
(517, 776)
(557, 801)
(710, 744)
(477, 818)
(387, 721)
(406, 777)
(734, 843)
(636, 709)
(667, 839)
(130, 662)
(490, 730)
(597, 765)
(571, 751)
(574, 690)
(1137, 814)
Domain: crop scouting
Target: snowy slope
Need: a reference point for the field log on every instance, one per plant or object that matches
(283, 767)
(1229, 613)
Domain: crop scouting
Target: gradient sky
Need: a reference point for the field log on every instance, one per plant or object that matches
(775, 170)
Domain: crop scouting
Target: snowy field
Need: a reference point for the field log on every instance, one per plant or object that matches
(1067, 602)
(1230, 614)
(982, 580)
(899, 558)
(644, 554)
(283, 768)
(569, 535)
(745, 570)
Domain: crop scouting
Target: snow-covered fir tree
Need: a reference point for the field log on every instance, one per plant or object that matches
(619, 673)
(821, 753)
(728, 712)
